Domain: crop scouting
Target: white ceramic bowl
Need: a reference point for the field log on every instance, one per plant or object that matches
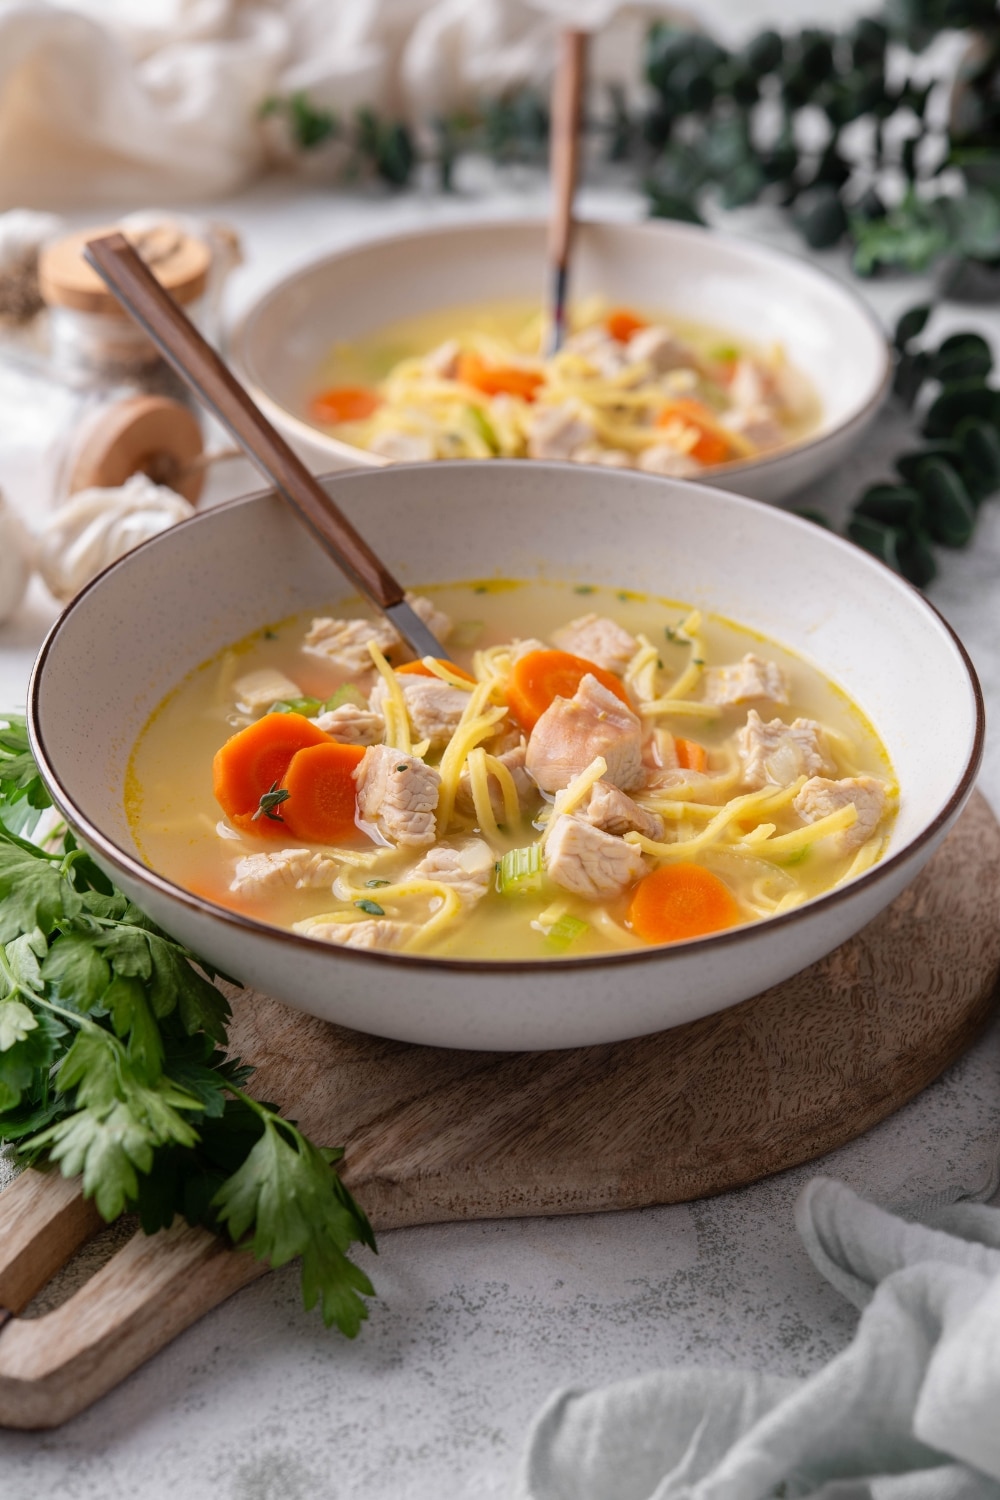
(162, 610)
(742, 288)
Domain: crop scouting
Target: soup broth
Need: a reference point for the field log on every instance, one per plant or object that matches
(628, 389)
(556, 802)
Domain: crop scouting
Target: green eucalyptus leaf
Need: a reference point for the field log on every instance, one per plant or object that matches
(911, 324)
(894, 505)
(742, 185)
(764, 53)
(916, 560)
(951, 515)
(908, 465)
(963, 356)
(875, 537)
(821, 218)
(965, 398)
(912, 370)
(979, 444)
(814, 53)
(868, 41)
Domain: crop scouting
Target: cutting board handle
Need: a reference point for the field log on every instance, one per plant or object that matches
(53, 1366)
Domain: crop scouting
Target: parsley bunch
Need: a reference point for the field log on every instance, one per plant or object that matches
(113, 1066)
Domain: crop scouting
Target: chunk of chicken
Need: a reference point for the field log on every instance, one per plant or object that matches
(604, 353)
(661, 458)
(776, 754)
(513, 760)
(758, 425)
(442, 362)
(585, 860)
(556, 430)
(437, 622)
(402, 447)
(746, 681)
(661, 350)
(344, 643)
(597, 639)
(605, 458)
(399, 794)
(750, 386)
(615, 812)
(375, 933)
(434, 707)
(819, 797)
(573, 731)
(258, 690)
(469, 868)
(352, 725)
(283, 869)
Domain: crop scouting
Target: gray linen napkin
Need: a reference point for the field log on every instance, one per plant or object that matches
(910, 1410)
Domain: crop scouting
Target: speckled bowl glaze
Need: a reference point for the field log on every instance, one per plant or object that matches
(744, 289)
(135, 632)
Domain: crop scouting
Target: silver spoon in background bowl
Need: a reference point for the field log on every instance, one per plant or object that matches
(215, 385)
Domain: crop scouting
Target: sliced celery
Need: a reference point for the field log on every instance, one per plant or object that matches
(347, 693)
(520, 871)
(310, 707)
(566, 931)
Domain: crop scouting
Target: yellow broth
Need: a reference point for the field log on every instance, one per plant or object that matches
(516, 326)
(180, 831)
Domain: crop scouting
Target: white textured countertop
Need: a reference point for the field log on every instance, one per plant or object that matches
(474, 1324)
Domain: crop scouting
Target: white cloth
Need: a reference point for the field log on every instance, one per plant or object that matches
(910, 1410)
(118, 101)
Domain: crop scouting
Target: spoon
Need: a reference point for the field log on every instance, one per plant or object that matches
(201, 368)
(564, 150)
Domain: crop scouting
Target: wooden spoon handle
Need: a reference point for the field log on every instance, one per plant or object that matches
(199, 365)
(565, 140)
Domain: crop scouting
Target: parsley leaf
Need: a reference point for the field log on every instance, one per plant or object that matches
(112, 1064)
(289, 1193)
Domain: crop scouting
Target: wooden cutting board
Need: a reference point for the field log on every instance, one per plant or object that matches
(434, 1135)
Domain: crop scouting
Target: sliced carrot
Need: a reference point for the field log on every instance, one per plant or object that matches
(621, 324)
(344, 403)
(417, 669)
(712, 446)
(495, 380)
(251, 762)
(322, 793)
(540, 676)
(690, 755)
(681, 901)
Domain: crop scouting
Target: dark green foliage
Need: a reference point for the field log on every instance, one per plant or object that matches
(111, 1066)
(945, 481)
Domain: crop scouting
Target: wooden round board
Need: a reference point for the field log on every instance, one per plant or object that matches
(435, 1135)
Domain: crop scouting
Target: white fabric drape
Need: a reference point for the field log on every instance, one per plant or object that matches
(125, 101)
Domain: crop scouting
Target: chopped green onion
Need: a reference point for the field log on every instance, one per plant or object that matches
(584, 588)
(725, 352)
(371, 883)
(310, 707)
(348, 693)
(521, 871)
(565, 931)
(485, 428)
(371, 907)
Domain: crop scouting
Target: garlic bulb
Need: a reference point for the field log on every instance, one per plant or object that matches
(17, 560)
(95, 527)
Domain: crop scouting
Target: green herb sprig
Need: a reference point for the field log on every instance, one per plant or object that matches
(113, 1067)
(939, 487)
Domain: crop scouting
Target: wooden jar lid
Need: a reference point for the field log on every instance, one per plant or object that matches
(150, 435)
(178, 260)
